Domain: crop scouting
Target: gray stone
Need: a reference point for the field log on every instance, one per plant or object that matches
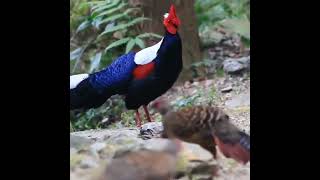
(210, 37)
(150, 130)
(102, 135)
(232, 65)
(157, 144)
(98, 146)
(226, 89)
(88, 162)
(242, 99)
(78, 142)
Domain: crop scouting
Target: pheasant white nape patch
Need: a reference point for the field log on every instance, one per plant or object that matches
(76, 79)
(166, 15)
(148, 54)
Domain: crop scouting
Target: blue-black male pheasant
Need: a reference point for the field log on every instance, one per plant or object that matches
(141, 77)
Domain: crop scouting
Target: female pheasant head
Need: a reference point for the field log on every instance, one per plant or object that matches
(171, 21)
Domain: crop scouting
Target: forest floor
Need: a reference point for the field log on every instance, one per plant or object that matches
(89, 149)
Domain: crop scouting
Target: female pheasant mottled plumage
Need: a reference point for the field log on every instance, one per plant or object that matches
(206, 126)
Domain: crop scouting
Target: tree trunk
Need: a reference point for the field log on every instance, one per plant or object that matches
(155, 9)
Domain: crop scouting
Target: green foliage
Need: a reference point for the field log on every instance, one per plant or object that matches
(100, 117)
(231, 15)
(117, 43)
(240, 26)
(123, 26)
(212, 95)
(127, 119)
(114, 28)
(187, 101)
(220, 72)
(95, 61)
(78, 10)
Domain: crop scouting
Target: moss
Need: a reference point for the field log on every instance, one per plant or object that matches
(127, 119)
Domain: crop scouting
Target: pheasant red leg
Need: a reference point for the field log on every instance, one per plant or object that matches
(138, 119)
(147, 113)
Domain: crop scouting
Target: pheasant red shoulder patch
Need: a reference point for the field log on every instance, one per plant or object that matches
(142, 71)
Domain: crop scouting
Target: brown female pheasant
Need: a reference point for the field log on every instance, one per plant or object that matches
(206, 126)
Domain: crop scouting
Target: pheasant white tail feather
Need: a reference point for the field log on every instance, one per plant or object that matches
(76, 79)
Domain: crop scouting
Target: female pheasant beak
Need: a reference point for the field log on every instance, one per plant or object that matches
(171, 21)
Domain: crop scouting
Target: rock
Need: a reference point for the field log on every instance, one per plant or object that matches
(242, 99)
(194, 152)
(151, 129)
(228, 43)
(88, 162)
(210, 37)
(212, 54)
(208, 83)
(123, 136)
(226, 89)
(233, 66)
(73, 150)
(78, 142)
(101, 135)
(97, 146)
(157, 144)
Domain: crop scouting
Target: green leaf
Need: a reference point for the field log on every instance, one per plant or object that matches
(130, 45)
(148, 35)
(123, 26)
(118, 16)
(122, 5)
(245, 41)
(103, 7)
(83, 26)
(97, 4)
(95, 61)
(96, 22)
(75, 54)
(140, 43)
(117, 43)
(113, 18)
(129, 10)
